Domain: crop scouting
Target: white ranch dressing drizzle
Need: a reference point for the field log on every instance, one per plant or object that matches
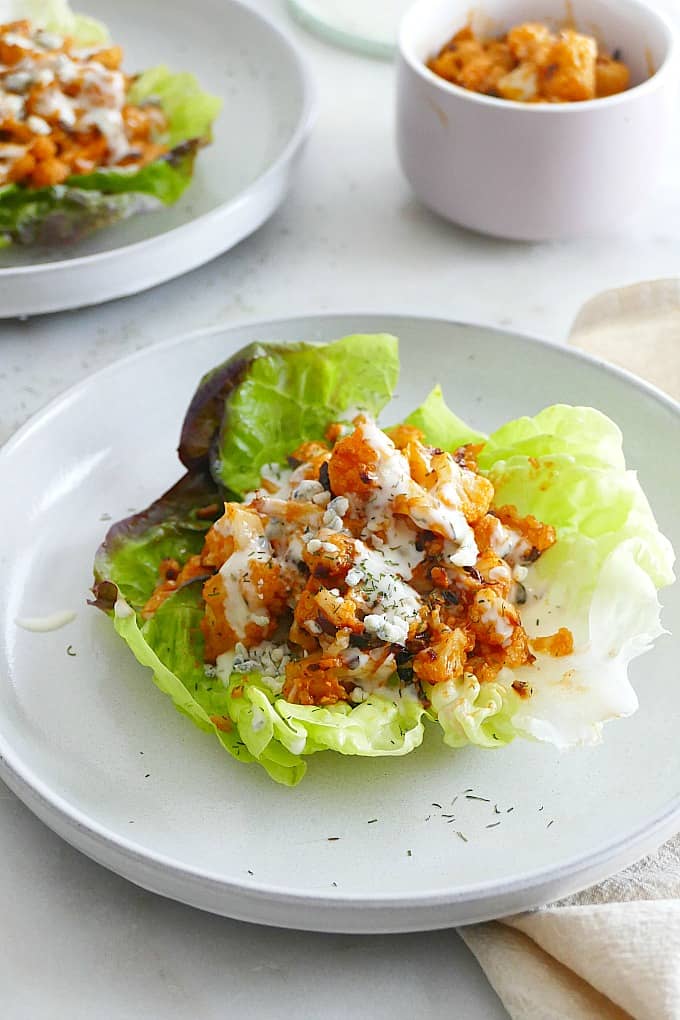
(507, 544)
(493, 618)
(11, 106)
(378, 585)
(53, 101)
(450, 493)
(37, 125)
(439, 507)
(46, 624)
(391, 475)
(102, 98)
(399, 547)
(15, 39)
(111, 125)
(241, 599)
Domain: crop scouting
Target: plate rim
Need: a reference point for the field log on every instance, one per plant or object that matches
(303, 127)
(591, 866)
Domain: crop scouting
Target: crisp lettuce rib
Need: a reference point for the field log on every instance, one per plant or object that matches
(375, 728)
(173, 527)
(250, 722)
(170, 644)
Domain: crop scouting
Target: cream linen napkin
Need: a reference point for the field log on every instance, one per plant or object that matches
(612, 951)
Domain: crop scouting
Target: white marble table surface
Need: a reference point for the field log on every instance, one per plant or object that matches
(77, 942)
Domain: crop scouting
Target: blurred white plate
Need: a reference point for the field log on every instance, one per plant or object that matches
(97, 752)
(239, 180)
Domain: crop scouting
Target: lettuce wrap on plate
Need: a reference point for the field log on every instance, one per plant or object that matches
(82, 144)
(316, 582)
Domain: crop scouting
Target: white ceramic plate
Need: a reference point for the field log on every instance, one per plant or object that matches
(99, 754)
(238, 182)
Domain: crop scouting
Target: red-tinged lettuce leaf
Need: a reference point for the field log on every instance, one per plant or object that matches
(170, 642)
(269, 398)
(66, 213)
(204, 416)
(174, 527)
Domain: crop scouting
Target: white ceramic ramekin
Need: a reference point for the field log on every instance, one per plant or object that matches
(535, 171)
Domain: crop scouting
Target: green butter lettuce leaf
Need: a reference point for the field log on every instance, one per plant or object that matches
(62, 214)
(171, 645)
(612, 624)
(173, 527)
(566, 467)
(291, 393)
(264, 728)
(268, 725)
(190, 110)
(249, 720)
(376, 727)
(66, 213)
(582, 432)
(56, 16)
(164, 180)
(440, 426)
(203, 418)
(269, 398)
(474, 713)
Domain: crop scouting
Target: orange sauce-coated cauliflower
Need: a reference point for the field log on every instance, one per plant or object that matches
(532, 64)
(373, 562)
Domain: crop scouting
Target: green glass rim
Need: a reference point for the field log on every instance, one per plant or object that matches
(329, 32)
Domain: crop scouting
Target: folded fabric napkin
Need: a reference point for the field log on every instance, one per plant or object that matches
(638, 328)
(612, 951)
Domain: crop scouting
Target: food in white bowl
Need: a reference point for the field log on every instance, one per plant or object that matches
(535, 170)
(532, 64)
